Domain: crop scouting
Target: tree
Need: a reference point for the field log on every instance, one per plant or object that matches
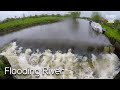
(58, 15)
(36, 16)
(23, 15)
(15, 17)
(75, 15)
(67, 15)
(116, 23)
(96, 16)
(53, 15)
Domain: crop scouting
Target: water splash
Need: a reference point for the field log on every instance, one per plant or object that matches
(104, 66)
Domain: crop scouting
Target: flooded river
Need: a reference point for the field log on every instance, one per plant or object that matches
(38, 47)
(75, 34)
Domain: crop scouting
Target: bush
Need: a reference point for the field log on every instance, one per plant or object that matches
(96, 16)
(4, 63)
(75, 14)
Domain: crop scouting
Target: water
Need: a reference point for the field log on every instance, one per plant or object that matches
(104, 66)
(74, 34)
(52, 46)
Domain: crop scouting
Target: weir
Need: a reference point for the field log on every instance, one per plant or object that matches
(104, 66)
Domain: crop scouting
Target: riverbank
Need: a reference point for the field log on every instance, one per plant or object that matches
(17, 24)
(112, 33)
(114, 38)
(4, 63)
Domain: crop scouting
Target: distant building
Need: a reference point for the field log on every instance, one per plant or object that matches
(111, 18)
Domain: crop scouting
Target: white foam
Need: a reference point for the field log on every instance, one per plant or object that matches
(75, 66)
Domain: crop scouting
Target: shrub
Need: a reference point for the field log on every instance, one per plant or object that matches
(96, 16)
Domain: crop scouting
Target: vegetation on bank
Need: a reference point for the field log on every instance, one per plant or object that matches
(16, 24)
(115, 25)
(2, 69)
(113, 32)
(96, 16)
(75, 15)
(4, 63)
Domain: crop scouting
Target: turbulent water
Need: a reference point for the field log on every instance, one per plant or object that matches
(103, 66)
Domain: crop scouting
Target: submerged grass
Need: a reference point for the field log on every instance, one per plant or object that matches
(26, 22)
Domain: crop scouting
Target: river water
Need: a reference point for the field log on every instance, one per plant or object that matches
(75, 34)
(67, 36)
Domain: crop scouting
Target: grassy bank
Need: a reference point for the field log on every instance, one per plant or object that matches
(112, 33)
(4, 63)
(18, 24)
(114, 37)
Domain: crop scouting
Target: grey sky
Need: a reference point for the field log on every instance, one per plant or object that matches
(5, 14)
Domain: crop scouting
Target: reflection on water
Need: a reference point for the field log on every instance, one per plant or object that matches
(75, 34)
(75, 24)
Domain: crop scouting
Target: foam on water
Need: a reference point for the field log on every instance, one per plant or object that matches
(104, 66)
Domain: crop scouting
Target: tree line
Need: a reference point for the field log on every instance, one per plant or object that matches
(73, 15)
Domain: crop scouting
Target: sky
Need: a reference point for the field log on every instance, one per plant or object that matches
(5, 14)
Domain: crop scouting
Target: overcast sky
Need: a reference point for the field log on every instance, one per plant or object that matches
(5, 14)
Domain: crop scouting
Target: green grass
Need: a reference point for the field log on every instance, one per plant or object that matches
(26, 22)
(112, 33)
(2, 72)
(4, 63)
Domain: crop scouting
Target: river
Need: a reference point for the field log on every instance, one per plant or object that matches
(75, 34)
(67, 35)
